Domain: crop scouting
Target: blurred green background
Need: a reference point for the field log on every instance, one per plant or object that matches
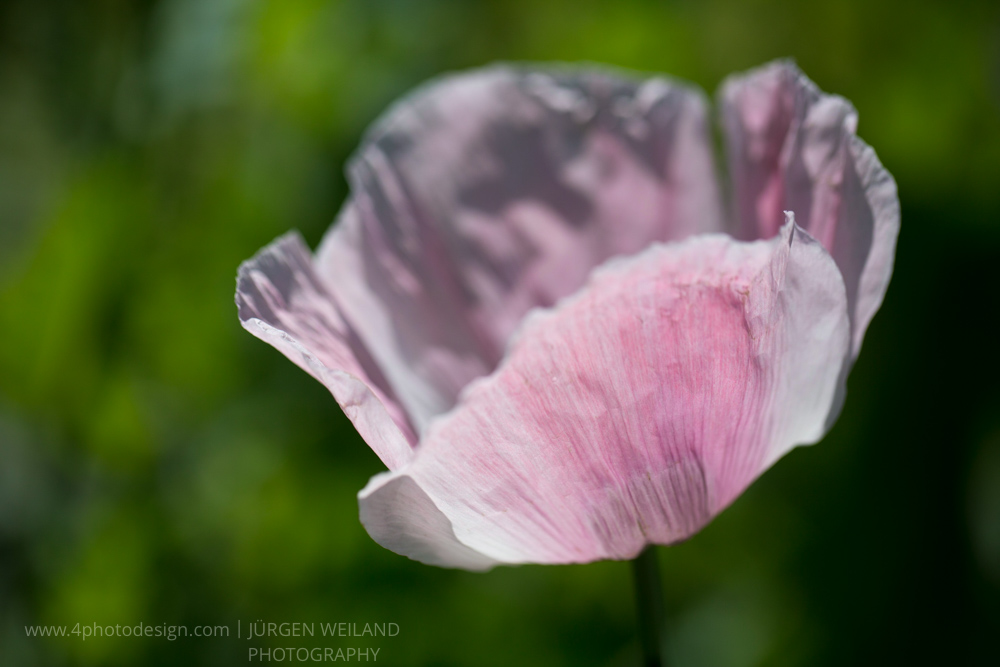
(160, 465)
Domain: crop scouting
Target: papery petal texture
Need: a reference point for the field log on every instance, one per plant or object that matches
(484, 195)
(282, 302)
(792, 147)
(638, 409)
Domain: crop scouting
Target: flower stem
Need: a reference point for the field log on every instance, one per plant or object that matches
(649, 605)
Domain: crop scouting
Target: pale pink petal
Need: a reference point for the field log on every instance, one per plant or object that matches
(634, 411)
(484, 195)
(284, 303)
(792, 147)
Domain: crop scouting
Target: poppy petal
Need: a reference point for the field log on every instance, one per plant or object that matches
(636, 410)
(792, 147)
(282, 302)
(400, 513)
(484, 195)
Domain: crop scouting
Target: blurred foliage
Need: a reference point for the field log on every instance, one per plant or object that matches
(158, 464)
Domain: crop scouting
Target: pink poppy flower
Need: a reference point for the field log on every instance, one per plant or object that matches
(531, 311)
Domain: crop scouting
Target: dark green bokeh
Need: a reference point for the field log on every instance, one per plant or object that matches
(160, 465)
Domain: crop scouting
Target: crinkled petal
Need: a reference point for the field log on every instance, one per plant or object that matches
(636, 410)
(284, 303)
(487, 194)
(792, 147)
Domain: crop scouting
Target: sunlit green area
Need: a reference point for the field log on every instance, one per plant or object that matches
(159, 465)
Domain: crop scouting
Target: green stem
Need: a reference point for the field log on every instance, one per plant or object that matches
(649, 605)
